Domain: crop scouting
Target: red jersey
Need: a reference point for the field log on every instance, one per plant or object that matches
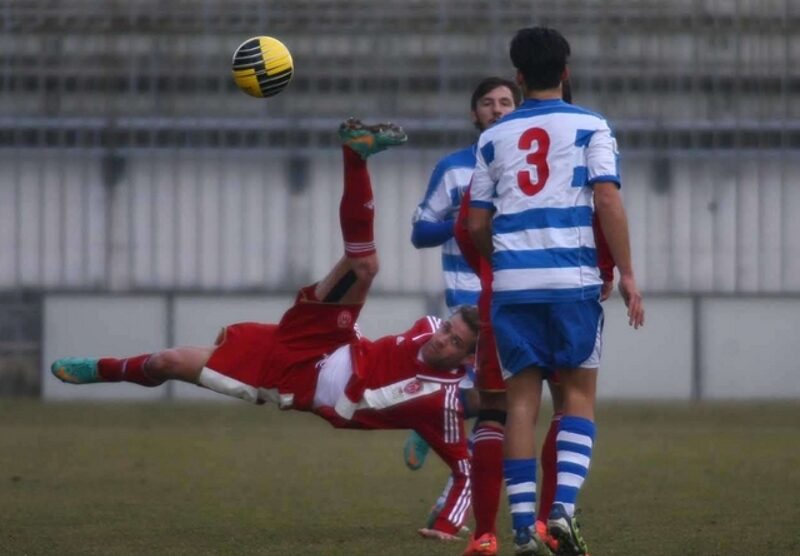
(394, 358)
(390, 386)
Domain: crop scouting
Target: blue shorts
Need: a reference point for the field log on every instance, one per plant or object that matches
(551, 336)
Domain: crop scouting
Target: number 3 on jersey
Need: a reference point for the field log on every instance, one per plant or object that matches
(537, 158)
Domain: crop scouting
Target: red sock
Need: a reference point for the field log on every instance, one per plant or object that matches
(130, 369)
(357, 208)
(487, 476)
(549, 473)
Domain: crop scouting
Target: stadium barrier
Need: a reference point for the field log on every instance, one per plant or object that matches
(693, 347)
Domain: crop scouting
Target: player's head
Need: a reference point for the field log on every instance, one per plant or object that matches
(453, 344)
(493, 98)
(540, 55)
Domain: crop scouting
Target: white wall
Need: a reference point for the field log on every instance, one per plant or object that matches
(746, 344)
(749, 347)
(235, 220)
(101, 325)
(653, 362)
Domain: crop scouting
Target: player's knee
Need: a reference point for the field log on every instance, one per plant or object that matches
(164, 363)
(365, 268)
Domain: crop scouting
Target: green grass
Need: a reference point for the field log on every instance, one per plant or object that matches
(235, 479)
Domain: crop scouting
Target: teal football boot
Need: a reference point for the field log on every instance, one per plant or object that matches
(76, 370)
(367, 140)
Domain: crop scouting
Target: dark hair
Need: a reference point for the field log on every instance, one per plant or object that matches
(469, 314)
(490, 84)
(540, 54)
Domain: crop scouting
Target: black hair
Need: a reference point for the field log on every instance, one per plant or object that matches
(469, 314)
(490, 84)
(540, 54)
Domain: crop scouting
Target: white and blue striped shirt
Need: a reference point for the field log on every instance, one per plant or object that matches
(536, 168)
(447, 185)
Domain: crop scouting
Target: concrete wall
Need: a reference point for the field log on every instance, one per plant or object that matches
(745, 345)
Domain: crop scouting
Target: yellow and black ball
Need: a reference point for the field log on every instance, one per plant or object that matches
(262, 66)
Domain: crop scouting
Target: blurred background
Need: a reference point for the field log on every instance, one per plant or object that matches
(145, 201)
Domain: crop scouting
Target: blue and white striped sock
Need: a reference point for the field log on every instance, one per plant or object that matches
(520, 475)
(573, 455)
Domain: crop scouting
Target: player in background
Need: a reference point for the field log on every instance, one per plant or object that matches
(433, 225)
(315, 360)
(487, 437)
(434, 220)
(540, 175)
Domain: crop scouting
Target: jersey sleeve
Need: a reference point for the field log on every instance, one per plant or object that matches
(436, 206)
(602, 156)
(483, 182)
(430, 234)
(445, 434)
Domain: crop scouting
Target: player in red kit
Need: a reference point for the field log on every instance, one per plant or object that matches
(315, 360)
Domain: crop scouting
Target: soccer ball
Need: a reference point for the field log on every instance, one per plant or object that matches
(262, 66)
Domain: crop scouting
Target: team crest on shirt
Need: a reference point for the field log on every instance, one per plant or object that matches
(344, 320)
(412, 387)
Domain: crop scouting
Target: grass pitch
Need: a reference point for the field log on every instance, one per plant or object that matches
(234, 479)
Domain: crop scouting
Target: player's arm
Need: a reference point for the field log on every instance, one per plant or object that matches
(605, 261)
(602, 161)
(456, 507)
(430, 225)
(614, 224)
(431, 234)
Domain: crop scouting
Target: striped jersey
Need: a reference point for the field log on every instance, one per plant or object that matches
(536, 168)
(449, 180)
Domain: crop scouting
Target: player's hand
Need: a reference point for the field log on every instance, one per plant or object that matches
(437, 535)
(606, 289)
(633, 300)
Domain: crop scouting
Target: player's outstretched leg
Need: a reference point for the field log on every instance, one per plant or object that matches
(367, 140)
(87, 370)
(148, 369)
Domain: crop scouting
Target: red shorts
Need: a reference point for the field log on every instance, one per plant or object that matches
(243, 351)
(285, 356)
